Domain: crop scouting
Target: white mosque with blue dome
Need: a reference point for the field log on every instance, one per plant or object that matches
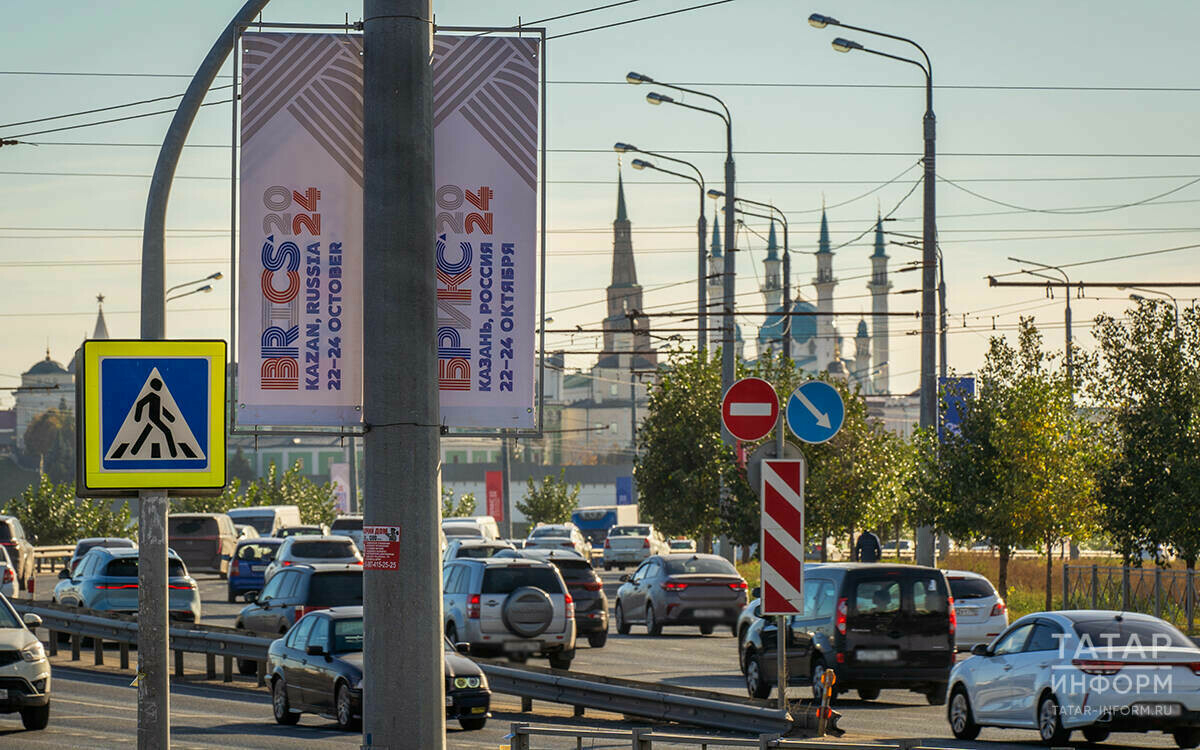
(817, 346)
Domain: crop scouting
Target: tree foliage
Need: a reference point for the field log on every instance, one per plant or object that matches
(552, 502)
(51, 514)
(292, 487)
(50, 444)
(461, 509)
(1148, 387)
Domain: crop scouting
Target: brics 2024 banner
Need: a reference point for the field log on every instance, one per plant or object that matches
(300, 319)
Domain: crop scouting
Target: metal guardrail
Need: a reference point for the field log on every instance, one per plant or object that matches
(648, 700)
(47, 554)
(210, 640)
(1169, 594)
(521, 736)
(642, 699)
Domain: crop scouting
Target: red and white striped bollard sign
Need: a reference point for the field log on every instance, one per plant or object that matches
(782, 546)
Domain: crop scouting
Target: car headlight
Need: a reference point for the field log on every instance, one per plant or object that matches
(33, 652)
(472, 682)
(460, 682)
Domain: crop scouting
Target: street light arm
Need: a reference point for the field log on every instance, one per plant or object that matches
(906, 40)
(776, 211)
(910, 61)
(657, 155)
(1041, 265)
(681, 175)
(701, 109)
(727, 116)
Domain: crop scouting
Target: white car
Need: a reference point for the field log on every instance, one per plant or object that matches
(26, 674)
(313, 549)
(559, 536)
(631, 545)
(8, 575)
(1094, 670)
(982, 614)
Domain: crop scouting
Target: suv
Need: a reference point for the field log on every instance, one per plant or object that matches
(631, 545)
(513, 606)
(877, 626)
(24, 670)
(20, 549)
(294, 592)
(586, 589)
(205, 541)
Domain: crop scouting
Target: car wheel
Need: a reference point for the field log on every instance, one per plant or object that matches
(472, 725)
(755, 684)
(35, 717)
(247, 667)
(706, 629)
(622, 626)
(962, 721)
(452, 632)
(345, 712)
(1095, 735)
(818, 690)
(1049, 721)
(518, 657)
(562, 660)
(280, 705)
(597, 640)
(937, 696)
(1184, 736)
(868, 694)
(232, 597)
(653, 627)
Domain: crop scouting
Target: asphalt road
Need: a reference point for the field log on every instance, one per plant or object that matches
(99, 707)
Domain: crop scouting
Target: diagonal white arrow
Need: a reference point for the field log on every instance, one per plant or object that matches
(821, 417)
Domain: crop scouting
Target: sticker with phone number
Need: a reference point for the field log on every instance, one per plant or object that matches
(381, 547)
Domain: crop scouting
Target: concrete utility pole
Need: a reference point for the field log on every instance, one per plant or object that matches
(354, 506)
(505, 496)
(404, 685)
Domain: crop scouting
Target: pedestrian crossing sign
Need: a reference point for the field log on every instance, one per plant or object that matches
(151, 416)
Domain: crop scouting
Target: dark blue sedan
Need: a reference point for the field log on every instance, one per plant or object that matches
(250, 560)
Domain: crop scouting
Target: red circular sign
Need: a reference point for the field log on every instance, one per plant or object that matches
(750, 409)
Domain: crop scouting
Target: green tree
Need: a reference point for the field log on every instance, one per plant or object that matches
(463, 508)
(230, 497)
(239, 468)
(44, 432)
(293, 487)
(1021, 471)
(1147, 386)
(553, 502)
(680, 453)
(51, 514)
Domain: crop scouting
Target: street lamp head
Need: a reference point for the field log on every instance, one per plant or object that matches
(636, 78)
(624, 148)
(205, 288)
(818, 21)
(656, 98)
(845, 45)
(715, 193)
(216, 276)
(641, 164)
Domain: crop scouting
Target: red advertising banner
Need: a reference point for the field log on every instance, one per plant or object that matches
(494, 481)
(381, 547)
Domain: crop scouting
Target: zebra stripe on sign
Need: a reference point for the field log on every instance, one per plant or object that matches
(782, 546)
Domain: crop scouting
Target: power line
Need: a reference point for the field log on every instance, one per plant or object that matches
(104, 109)
(1071, 211)
(110, 121)
(1127, 256)
(637, 20)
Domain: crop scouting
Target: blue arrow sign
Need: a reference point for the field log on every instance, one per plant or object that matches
(815, 412)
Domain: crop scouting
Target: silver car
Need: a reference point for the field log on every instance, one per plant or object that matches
(313, 549)
(559, 536)
(704, 590)
(628, 546)
(512, 606)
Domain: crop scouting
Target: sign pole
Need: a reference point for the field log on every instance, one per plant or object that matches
(153, 677)
(402, 605)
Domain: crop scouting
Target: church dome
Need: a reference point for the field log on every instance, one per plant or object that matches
(804, 327)
(46, 367)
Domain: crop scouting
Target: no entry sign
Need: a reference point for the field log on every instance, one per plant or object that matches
(750, 409)
(782, 536)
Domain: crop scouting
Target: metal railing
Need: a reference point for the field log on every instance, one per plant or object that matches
(521, 738)
(1169, 594)
(212, 641)
(48, 554)
(582, 691)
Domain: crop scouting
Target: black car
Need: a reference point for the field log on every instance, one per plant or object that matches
(20, 549)
(318, 668)
(876, 626)
(586, 589)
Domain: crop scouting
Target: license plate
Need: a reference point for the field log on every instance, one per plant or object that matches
(1153, 710)
(257, 568)
(523, 647)
(478, 709)
(877, 654)
(966, 611)
(710, 613)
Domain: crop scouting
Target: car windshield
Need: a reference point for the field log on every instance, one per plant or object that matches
(681, 545)
(712, 565)
(970, 588)
(477, 552)
(462, 529)
(347, 524)
(127, 567)
(1113, 632)
(257, 552)
(505, 580)
(550, 531)
(348, 636)
(629, 531)
(301, 531)
(262, 522)
(8, 618)
(335, 589)
(324, 549)
(575, 570)
(192, 526)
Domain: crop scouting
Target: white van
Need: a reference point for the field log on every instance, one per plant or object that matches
(266, 519)
(478, 527)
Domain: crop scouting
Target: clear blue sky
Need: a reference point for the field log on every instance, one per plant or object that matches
(63, 239)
